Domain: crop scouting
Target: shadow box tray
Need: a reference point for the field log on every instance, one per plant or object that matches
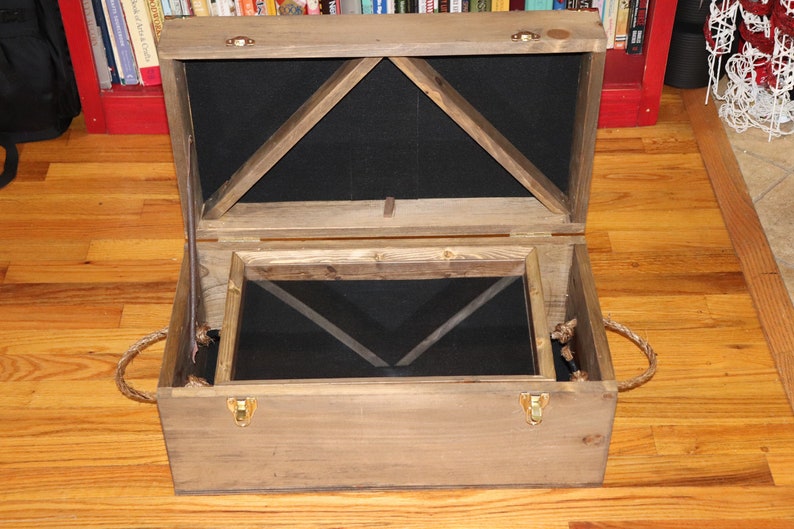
(384, 222)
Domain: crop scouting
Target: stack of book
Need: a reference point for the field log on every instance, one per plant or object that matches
(124, 33)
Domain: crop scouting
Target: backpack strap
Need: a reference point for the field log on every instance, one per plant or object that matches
(11, 163)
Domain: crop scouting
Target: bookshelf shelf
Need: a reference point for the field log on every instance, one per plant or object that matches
(631, 91)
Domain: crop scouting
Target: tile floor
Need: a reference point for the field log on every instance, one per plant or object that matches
(768, 170)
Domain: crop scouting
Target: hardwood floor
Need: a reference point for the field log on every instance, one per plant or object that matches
(91, 242)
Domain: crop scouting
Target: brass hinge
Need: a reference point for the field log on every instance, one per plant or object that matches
(242, 410)
(533, 406)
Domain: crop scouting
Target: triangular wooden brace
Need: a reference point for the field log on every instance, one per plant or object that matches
(296, 127)
(483, 132)
(338, 86)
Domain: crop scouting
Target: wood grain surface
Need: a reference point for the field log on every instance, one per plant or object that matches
(91, 244)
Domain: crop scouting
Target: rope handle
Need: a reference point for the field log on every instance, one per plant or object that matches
(563, 332)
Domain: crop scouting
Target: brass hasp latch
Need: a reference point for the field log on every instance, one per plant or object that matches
(533, 405)
(242, 410)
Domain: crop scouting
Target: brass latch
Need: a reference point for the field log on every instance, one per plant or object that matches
(242, 410)
(240, 41)
(524, 36)
(533, 406)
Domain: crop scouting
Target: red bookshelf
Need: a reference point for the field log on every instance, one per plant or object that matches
(631, 92)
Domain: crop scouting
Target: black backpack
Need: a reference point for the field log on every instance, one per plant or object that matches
(38, 93)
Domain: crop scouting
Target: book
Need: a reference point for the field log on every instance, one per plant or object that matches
(330, 7)
(350, 7)
(500, 5)
(537, 5)
(636, 31)
(144, 47)
(293, 7)
(367, 7)
(157, 16)
(97, 46)
(481, 6)
(609, 20)
(201, 8)
(224, 8)
(380, 7)
(248, 7)
(558, 5)
(621, 25)
(107, 41)
(120, 42)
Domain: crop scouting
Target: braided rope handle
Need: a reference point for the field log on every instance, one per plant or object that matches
(564, 333)
(121, 368)
(645, 347)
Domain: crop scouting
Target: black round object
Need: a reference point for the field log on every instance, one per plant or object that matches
(687, 65)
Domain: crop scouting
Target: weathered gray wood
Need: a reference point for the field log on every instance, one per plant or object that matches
(364, 218)
(395, 433)
(591, 77)
(391, 432)
(398, 35)
(232, 321)
(590, 341)
(533, 283)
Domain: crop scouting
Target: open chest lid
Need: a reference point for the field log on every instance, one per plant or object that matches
(383, 126)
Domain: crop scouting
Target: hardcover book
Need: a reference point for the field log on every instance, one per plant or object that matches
(143, 41)
(122, 49)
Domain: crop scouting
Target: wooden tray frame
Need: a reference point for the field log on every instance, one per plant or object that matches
(340, 266)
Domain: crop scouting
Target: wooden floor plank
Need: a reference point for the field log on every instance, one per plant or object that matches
(766, 287)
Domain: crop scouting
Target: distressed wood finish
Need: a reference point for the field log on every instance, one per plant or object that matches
(388, 432)
(400, 35)
(403, 434)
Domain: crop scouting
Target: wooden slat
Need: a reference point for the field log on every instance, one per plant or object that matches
(298, 125)
(483, 132)
(774, 306)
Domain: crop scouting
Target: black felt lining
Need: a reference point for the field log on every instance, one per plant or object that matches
(386, 138)
(389, 317)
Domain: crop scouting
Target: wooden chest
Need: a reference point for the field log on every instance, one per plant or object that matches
(385, 220)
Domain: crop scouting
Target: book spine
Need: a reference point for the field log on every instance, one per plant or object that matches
(97, 46)
(558, 5)
(200, 8)
(313, 7)
(175, 6)
(330, 7)
(225, 8)
(293, 7)
(125, 59)
(367, 7)
(537, 5)
(249, 7)
(636, 33)
(609, 19)
(380, 7)
(136, 13)
(500, 5)
(621, 25)
(157, 16)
